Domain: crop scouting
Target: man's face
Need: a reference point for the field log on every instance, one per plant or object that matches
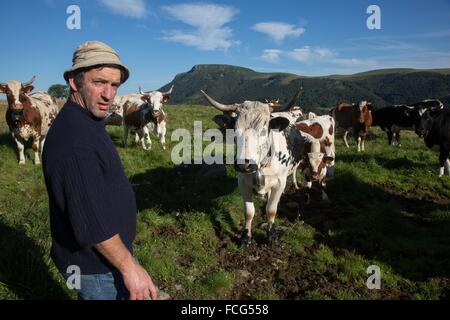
(99, 89)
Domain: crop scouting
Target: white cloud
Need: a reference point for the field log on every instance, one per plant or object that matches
(271, 55)
(310, 55)
(208, 21)
(128, 8)
(317, 56)
(278, 31)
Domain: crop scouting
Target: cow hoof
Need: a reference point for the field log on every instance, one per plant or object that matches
(272, 235)
(21, 162)
(37, 163)
(245, 241)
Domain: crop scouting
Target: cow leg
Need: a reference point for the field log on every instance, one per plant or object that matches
(136, 138)
(447, 164)
(271, 208)
(397, 137)
(249, 210)
(443, 160)
(42, 145)
(345, 138)
(308, 185)
(35, 147)
(162, 134)
(390, 135)
(20, 149)
(146, 137)
(363, 139)
(359, 144)
(322, 188)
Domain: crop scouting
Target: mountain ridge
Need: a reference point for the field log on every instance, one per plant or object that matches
(231, 84)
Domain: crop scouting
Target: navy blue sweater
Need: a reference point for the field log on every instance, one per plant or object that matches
(90, 197)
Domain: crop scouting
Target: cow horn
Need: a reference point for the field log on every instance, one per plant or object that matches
(26, 84)
(217, 105)
(168, 92)
(141, 92)
(290, 104)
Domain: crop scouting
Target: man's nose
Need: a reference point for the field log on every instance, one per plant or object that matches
(109, 92)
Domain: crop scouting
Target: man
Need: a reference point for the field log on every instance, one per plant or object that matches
(92, 204)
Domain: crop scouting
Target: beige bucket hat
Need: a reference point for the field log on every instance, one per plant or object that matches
(94, 53)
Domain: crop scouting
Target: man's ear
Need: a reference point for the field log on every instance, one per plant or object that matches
(278, 123)
(72, 84)
(27, 89)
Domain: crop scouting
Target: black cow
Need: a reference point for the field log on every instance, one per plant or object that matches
(395, 118)
(435, 127)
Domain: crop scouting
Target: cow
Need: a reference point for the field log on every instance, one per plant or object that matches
(268, 150)
(28, 115)
(393, 119)
(142, 112)
(355, 116)
(321, 155)
(434, 126)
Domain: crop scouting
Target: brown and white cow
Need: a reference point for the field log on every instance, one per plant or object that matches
(355, 116)
(142, 112)
(28, 116)
(321, 153)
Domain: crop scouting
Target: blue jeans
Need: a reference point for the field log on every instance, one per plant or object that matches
(106, 286)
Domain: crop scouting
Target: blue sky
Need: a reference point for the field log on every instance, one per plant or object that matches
(159, 39)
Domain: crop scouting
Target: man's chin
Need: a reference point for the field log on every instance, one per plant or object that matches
(100, 114)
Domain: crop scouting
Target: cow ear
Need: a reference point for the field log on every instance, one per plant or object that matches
(370, 106)
(27, 89)
(224, 121)
(2, 88)
(328, 159)
(278, 123)
(166, 98)
(145, 98)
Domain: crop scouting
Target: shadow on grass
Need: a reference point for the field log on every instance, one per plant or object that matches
(6, 139)
(22, 267)
(186, 188)
(410, 235)
(387, 163)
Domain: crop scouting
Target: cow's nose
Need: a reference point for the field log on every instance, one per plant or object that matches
(246, 167)
(155, 113)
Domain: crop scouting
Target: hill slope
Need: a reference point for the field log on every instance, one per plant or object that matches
(231, 84)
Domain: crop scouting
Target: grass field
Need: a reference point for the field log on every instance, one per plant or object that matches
(388, 208)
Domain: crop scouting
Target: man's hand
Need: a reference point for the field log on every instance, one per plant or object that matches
(139, 283)
(136, 279)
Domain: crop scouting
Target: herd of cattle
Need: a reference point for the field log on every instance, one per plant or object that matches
(279, 139)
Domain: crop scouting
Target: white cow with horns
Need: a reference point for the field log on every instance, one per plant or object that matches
(269, 148)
